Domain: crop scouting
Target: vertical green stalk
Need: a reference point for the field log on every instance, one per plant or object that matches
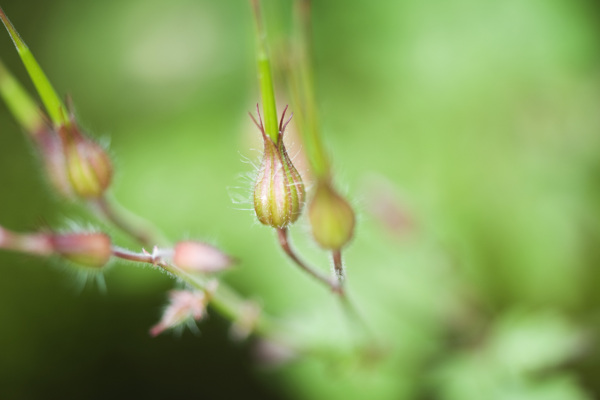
(20, 104)
(301, 83)
(265, 76)
(55, 107)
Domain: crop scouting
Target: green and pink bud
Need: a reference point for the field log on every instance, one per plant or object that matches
(279, 191)
(87, 164)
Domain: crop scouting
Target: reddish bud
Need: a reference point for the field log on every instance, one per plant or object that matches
(196, 256)
(279, 191)
(331, 217)
(89, 249)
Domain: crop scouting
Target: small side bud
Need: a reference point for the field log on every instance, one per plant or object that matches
(89, 249)
(279, 191)
(88, 166)
(196, 256)
(331, 217)
(184, 305)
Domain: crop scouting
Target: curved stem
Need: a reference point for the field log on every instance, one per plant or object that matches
(225, 301)
(282, 235)
(141, 231)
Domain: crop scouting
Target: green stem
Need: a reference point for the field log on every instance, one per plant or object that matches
(265, 76)
(133, 225)
(55, 107)
(301, 85)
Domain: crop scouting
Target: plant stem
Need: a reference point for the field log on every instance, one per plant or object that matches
(338, 266)
(265, 76)
(143, 232)
(282, 235)
(301, 85)
(348, 306)
(225, 301)
(54, 105)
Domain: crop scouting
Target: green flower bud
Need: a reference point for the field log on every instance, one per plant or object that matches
(87, 165)
(331, 217)
(279, 192)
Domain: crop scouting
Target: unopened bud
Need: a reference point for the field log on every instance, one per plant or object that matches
(279, 191)
(196, 256)
(89, 249)
(331, 217)
(184, 305)
(88, 166)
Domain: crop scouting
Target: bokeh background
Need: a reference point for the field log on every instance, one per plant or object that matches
(466, 133)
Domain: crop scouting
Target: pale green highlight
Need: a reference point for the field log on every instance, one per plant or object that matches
(54, 106)
(19, 102)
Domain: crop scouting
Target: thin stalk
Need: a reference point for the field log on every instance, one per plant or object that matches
(301, 85)
(338, 266)
(225, 301)
(348, 306)
(134, 226)
(54, 105)
(265, 76)
(282, 235)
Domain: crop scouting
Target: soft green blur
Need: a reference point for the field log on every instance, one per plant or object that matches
(465, 132)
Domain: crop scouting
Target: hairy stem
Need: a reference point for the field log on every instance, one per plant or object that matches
(225, 301)
(282, 235)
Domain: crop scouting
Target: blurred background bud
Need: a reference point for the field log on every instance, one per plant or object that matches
(89, 249)
(184, 305)
(194, 256)
(331, 217)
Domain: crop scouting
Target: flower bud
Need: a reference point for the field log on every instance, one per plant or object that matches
(279, 191)
(331, 217)
(87, 165)
(89, 249)
(196, 256)
(184, 305)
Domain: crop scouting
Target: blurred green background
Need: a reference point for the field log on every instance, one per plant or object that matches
(466, 133)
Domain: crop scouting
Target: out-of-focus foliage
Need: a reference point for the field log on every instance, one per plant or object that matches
(466, 132)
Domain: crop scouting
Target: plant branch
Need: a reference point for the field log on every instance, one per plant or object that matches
(224, 300)
(134, 226)
(282, 235)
